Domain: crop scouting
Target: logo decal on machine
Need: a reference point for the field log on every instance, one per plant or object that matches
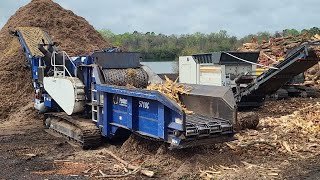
(120, 101)
(144, 104)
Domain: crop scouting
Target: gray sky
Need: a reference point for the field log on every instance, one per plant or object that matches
(238, 17)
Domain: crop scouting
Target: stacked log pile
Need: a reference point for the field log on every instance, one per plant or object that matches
(276, 48)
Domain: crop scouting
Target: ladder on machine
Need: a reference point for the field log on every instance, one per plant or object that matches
(94, 104)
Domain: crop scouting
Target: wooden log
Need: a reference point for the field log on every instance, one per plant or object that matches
(130, 166)
(316, 76)
(247, 120)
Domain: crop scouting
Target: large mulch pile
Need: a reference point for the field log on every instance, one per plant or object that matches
(73, 34)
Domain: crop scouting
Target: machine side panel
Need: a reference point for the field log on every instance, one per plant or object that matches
(117, 59)
(210, 75)
(151, 114)
(187, 70)
(140, 115)
(147, 94)
(144, 115)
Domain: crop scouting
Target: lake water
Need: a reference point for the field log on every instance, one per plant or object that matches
(163, 67)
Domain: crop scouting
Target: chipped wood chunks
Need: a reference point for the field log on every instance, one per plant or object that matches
(172, 90)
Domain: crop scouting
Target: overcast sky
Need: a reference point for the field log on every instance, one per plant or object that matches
(238, 17)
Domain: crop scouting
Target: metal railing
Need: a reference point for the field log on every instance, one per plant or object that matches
(61, 69)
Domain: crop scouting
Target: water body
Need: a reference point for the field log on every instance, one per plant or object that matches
(163, 67)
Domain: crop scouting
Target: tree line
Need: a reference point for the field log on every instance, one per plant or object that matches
(161, 47)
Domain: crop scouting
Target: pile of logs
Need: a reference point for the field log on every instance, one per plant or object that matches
(276, 48)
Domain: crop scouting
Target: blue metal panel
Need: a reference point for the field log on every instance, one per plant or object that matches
(161, 120)
(130, 112)
(107, 115)
(148, 126)
(147, 94)
(148, 116)
(135, 109)
(120, 110)
(34, 66)
(49, 102)
(147, 109)
(119, 117)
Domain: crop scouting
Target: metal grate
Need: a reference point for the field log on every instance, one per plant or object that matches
(197, 125)
(203, 58)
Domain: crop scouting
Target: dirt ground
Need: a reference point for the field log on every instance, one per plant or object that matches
(27, 151)
(285, 145)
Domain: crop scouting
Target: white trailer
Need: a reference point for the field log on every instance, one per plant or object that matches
(218, 68)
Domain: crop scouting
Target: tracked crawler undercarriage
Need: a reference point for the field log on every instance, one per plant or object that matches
(82, 131)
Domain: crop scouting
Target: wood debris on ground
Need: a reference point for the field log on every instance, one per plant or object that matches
(294, 134)
(66, 168)
(126, 165)
(222, 172)
(172, 90)
(102, 163)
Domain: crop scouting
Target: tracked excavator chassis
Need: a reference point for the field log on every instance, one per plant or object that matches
(82, 131)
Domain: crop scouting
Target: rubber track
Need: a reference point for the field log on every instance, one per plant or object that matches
(91, 136)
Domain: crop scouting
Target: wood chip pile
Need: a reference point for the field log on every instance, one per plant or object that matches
(172, 90)
(284, 139)
(275, 50)
(294, 134)
(73, 34)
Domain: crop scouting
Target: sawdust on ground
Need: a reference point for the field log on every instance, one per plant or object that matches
(284, 138)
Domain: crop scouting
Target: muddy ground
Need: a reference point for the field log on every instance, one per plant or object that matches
(27, 151)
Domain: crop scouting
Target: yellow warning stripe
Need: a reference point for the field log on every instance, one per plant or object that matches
(210, 69)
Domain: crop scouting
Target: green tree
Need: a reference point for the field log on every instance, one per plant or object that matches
(168, 47)
(290, 32)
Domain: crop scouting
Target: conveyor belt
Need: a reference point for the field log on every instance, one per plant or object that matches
(32, 37)
(298, 61)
